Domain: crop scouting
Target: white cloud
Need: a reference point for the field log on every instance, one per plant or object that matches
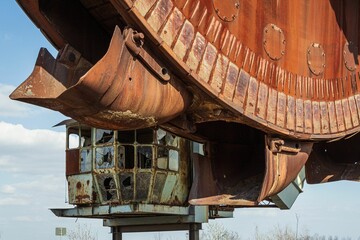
(11, 108)
(16, 134)
(32, 167)
(8, 189)
(31, 151)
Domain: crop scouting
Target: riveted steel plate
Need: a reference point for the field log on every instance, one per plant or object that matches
(350, 54)
(274, 41)
(227, 10)
(316, 58)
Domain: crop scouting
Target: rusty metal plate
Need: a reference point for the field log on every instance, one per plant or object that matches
(274, 41)
(99, 96)
(350, 55)
(316, 58)
(227, 10)
(80, 188)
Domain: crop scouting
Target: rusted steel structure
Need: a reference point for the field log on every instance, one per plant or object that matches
(267, 87)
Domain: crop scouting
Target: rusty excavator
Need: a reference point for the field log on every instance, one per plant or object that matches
(189, 108)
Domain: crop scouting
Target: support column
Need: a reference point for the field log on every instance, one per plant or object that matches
(194, 231)
(116, 233)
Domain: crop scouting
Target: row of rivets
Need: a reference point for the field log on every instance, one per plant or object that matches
(227, 10)
(316, 58)
(274, 41)
(274, 45)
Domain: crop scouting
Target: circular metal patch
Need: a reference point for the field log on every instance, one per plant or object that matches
(350, 55)
(316, 58)
(274, 41)
(227, 10)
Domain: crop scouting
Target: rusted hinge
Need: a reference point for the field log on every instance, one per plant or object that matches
(134, 42)
(277, 145)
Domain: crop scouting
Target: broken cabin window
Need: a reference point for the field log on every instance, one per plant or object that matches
(167, 150)
(166, 138)
(104, 136)
(86, 137)
(126, 155)
(110, 189)
(144, 156)
(121, 156)
(104, 157)
(127, 186)
(162, 157)
(86, 159)
(73, 138)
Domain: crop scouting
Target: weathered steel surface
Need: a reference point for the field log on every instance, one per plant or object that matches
(237, 43)
(284, 160)
(80, 189)
(126, 89)
(210, 44)
(334, 161)
(240, 175)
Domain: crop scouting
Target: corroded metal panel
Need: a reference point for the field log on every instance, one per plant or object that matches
(81, 189)
(284, 160)
(72, 162)
(334, 161)
(103, 103)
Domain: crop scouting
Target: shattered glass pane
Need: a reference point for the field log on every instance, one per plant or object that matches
(85, 137)
(104, 157)
(86, 159)
(121, 156)
(110, 188)
(160, 136)
(142, 185)
(126, 186)
(104, 136)
(144, 156)
(162, 158)
(166, 138)
(158, 187)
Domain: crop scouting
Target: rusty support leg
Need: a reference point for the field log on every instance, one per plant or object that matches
(194, 231)
(116, 233)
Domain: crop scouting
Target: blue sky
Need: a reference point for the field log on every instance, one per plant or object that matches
(32, 162)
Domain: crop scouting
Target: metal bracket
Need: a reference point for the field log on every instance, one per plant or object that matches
(277, 145)
(134, 41)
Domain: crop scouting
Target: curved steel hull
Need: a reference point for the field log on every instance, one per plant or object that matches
(118, 92)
